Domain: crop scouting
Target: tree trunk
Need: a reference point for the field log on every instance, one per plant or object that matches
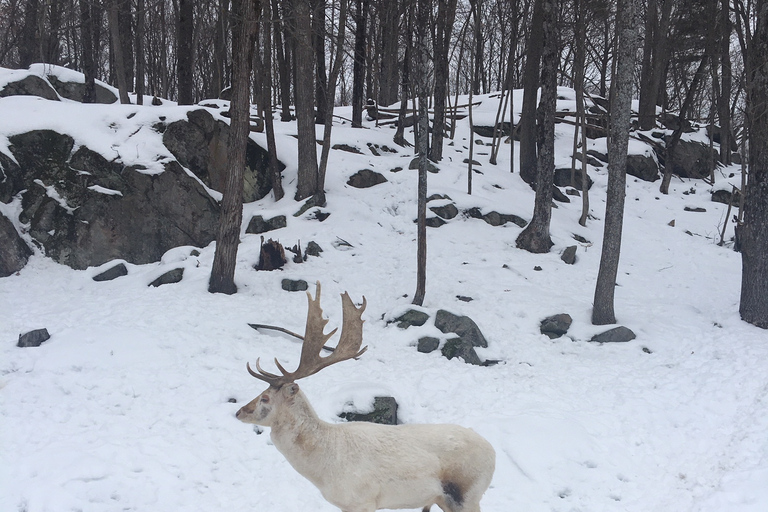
(305, 93)
(220, 50)
(89, 62)
(283, 64)
(752, 234)
(656, 44)
(29, 38)
(724, 105)
(140, 57)
(184, 53)
(399, 137)
(125, 29)
(528, 160)
(266, 106)
(117, 49)
(225, 259)
(321, 77)
(358, 71)
(535, 237)
(446, 14)
(423, 10)
(603, 307)
(388, 70)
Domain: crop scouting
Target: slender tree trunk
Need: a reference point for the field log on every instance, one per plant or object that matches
(125, 30)
(330, 93)
(724, 111)
(184, 55)
(29, 38)
(358, 71)
(388, 70)
(423, 10)
(266, 105)
(446, 14)
(399, 137)
(752, 233)
(220, 50)
(89, 63)
(651, 84)
(305, 114)
(225, 259)
(117, 48)
(321, 77)
(528, 160)
(535, 237)
(283, 65)
(140, 57)
(603, 308)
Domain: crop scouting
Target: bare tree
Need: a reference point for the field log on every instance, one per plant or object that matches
(184, 57)
(423, 10)
(304, 80)
(117, 49)
(528, 160)
(535, 237)
(603, 307)
(752, 233)
(358, 80)
(244, 26)
(446, 14)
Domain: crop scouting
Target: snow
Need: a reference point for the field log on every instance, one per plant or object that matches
(130, 405)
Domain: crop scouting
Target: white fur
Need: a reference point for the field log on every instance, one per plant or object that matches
(363, 467)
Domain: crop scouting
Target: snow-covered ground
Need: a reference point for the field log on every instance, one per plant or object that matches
(130, 405)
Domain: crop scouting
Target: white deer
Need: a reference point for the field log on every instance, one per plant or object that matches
(363, 467)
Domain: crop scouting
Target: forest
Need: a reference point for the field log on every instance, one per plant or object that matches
(684, 60)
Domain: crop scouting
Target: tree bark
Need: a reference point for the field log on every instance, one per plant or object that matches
(140, 57)
(358, 71)
(29, 38)
(283, 64)
(125, 29)
(321, 76)
(724, 105)
(528, 160)
(446, 14)
(655, 57)
(535, 237)
(603, 307)
(266, 105)
(752, 234)
(305, 93)
(117, 49)
(423, 10)
(389, 75)
(225, 258)
(89, 63)
(184, 52)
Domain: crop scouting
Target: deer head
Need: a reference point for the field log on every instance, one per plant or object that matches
(283, 388)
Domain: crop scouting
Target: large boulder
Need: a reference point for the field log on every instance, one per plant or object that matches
(644, 167)
(84, 210)
(691, 159)
(14, 253)
(76, 90)
(30, 85)
(200, 144)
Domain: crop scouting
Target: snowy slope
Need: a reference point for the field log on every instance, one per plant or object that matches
(130, 405)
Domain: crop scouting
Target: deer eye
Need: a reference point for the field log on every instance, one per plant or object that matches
(264, 399)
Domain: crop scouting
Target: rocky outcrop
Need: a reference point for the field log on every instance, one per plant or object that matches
(84, 210)
(692, 159)
(14, 253)
(76, 90)
(200, 145)
(30, 85)
(644, 167)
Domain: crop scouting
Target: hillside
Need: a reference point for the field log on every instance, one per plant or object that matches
(130, 405)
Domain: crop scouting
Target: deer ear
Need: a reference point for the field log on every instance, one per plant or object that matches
(290, 390)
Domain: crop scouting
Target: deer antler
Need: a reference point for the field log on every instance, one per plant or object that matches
(314, 338)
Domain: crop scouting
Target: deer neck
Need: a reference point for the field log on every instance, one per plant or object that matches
(300, 435)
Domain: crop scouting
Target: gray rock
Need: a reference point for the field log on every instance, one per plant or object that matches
(141, 217)
(294, 285)
(447, 211)
(411, 318)
(259, 225)
(170, 277)
(495, 218)
(384, 412)
(643, 167)
(692, 159)
(557, 195)
(616, 335)
(313, 249)
(366, 178)
(30, 85)
(563, 178)
(200, 144)
(76, 90)
(464, 326)
(118, 270)
(427, 344)
(461, 348)
(430, 166)
(347, 148)
(556, 325)
(569, 255)
(33, 338)
(14, 252)
(726, 197)
(434, 222)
